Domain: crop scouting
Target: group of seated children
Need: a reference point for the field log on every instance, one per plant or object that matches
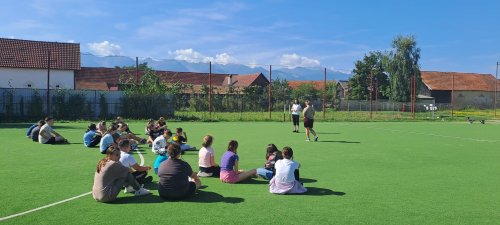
(43, 132)
(155, 129)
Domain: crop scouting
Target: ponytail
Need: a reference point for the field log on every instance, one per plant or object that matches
(109, 152)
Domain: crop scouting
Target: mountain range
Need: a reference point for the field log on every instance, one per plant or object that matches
(298, 73)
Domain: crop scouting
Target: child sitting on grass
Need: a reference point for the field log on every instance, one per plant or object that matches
(229, 172)
(111, 176)
(91, 137)
(140, 172)
(181, 139)
(206, 159)
(36, 131)
(160, 148)
(272, 155)
(285, 180)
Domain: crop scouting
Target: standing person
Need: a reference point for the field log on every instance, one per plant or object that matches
(206, 159)
(111, 176)
(47, 135)
(309, 120)
(91, 137)
(229, 172)
(296, 109)
(177, 179)
(139, 172)
(285, 181)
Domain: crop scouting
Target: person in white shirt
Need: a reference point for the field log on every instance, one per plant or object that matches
(206, 159)
(160, 143)
(285, 180)
(139, 172)
(47, 135)
(296, 109)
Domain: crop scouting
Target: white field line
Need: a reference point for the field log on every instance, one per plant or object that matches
(45, 206)
(59, 202)
(436, 135)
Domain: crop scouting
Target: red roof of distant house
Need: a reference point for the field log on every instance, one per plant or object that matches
(15, 53)
(103, 78)
(437, 81)
(317, 84)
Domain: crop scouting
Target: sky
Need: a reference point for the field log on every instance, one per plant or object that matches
(453, 35)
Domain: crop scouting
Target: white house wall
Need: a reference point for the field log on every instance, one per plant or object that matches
(20, 78)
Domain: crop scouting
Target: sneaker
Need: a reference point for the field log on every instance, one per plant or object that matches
(129, 189)
(316, 138)
(203, 174)
(308, 139)
(142, 191)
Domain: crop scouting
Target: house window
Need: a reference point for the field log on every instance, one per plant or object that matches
(57, 86)
(29, 85)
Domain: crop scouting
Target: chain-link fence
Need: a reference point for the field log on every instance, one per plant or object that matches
(31, 104)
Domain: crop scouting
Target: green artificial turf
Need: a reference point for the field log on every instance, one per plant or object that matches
(358, 173)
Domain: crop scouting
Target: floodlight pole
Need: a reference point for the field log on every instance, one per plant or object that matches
(48, 84)
(324, 94)
(270, 90)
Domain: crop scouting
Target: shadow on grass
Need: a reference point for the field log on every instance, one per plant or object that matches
(344, 142)
(16, 125)
(212, 197)
(326, 133)
(314, 191)
(307, 180)
(254, 181)
(200, 197)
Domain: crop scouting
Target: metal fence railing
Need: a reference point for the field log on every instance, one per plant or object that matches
(31, 104)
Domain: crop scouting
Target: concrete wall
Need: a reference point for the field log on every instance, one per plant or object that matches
(474, 99)
(21, 78)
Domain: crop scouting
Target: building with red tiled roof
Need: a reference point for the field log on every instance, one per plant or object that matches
(469, 89)
(317, 84)
(108, 78)
(25, 64)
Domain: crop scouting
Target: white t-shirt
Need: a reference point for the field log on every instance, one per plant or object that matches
(296, 109)
(204, 156)
(159, 145)
(285, 169)
(127, 159)
(47, 131)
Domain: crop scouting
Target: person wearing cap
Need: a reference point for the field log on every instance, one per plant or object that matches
(47, 135)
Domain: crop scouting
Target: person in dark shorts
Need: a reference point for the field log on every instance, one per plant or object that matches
(309, 120)
(47, 134)
(177, 179)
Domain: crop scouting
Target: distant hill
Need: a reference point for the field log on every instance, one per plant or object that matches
(299, 73)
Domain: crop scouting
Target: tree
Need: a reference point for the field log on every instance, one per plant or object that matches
(402, 65)
(306, 91)
(359, 83)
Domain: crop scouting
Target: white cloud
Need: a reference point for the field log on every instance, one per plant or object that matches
(190, 55)
(224, 59)
(193, 56)
(105, 48)
(71, 41)
(294, 60)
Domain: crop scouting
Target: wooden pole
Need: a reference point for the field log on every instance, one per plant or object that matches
(270, 90)
(324, 94)
(210, 90)
(48, 83)
(371, 90)
(136, 70)
(495, 99)
(452, 92)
